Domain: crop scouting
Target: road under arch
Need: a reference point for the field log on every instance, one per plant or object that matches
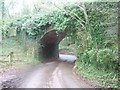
(50, 44)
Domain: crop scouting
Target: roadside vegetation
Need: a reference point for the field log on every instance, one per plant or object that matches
(92, 32)
(22, 56)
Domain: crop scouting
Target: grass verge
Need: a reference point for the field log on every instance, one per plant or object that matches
(99, 77)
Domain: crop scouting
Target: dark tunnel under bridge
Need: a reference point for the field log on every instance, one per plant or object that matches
(50, 44)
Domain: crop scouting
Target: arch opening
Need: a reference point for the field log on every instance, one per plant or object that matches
(50, 44)
(50, 51)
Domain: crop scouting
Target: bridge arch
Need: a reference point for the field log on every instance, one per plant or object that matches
(50, 44)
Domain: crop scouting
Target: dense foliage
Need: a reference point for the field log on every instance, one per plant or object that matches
(91, 27)
(88, 31)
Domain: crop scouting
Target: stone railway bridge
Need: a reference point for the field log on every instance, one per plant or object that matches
(49, 42)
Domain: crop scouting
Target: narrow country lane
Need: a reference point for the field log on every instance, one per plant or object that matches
(55, 74)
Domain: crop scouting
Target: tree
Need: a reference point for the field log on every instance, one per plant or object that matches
(2, 17)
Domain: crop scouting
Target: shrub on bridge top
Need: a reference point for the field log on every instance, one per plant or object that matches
(71, 18)
(63, 19)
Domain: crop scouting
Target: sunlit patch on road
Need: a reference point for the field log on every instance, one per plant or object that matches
(68, 58)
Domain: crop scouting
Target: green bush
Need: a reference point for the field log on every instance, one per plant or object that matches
(104, 59)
